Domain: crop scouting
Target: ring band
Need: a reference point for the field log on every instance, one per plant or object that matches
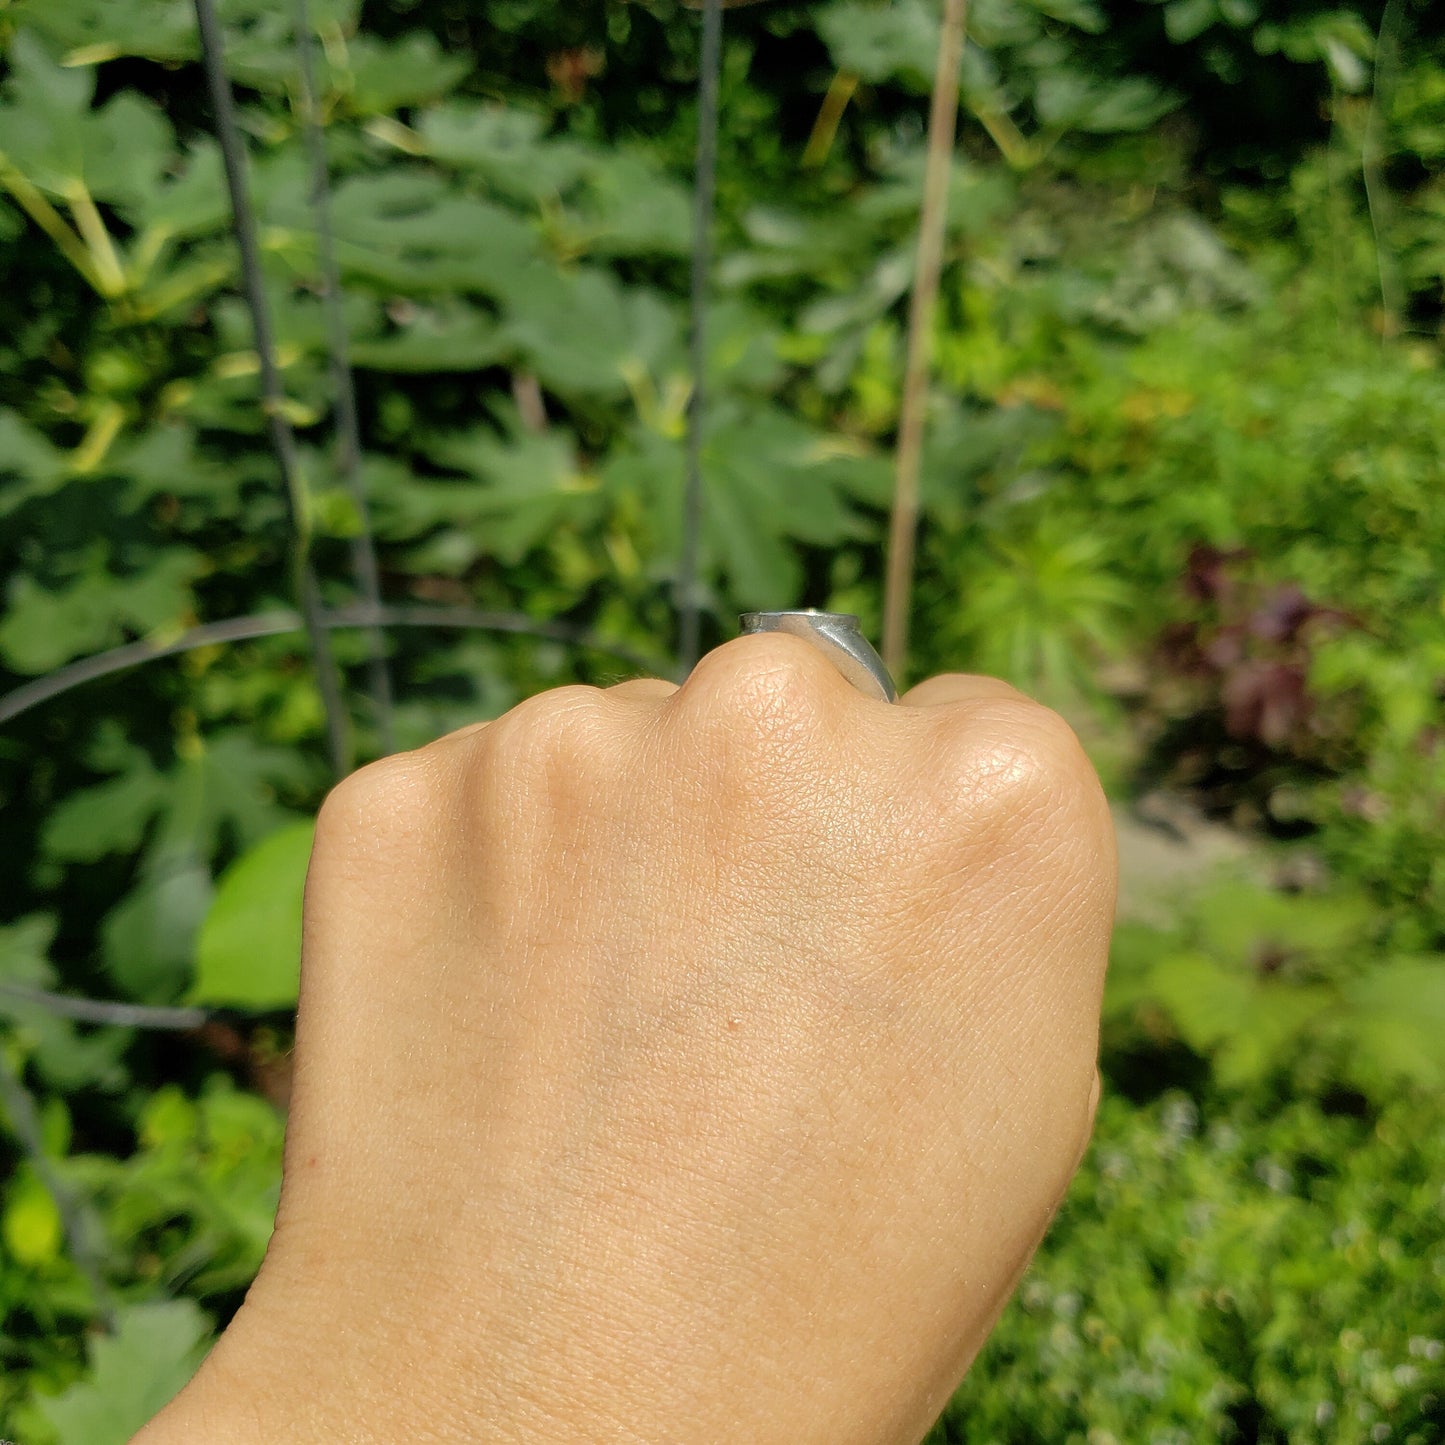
(838, 635)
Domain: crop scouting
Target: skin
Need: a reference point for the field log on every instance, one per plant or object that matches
(677, 1064)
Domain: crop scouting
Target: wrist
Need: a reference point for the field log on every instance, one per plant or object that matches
(290, 1372)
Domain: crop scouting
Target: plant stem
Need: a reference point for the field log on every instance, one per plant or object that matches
(82, 1234)
(830, 115)
(97, 239)
(903, 524)
(98, 439)
(348, 430)
(283, 443)
(689, 602)
(35, 205)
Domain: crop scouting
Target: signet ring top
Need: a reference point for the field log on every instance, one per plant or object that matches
(838, 635)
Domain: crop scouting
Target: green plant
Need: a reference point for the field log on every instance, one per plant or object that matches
(1042, 610)
(1219, 1274)
(1275, 987)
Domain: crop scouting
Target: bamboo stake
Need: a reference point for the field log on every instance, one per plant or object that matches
(903, 524)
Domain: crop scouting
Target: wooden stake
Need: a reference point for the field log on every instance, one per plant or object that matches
(903, 524)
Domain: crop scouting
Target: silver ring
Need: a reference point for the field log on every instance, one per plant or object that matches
(839, 636)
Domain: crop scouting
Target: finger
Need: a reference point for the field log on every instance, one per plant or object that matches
(642, 690)
(760, 667)
(461, 734)
(951, 688)
(635, 689)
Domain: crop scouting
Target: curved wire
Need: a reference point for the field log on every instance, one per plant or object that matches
(103, 1011)
(30, 695)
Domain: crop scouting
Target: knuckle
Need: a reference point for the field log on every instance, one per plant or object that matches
(381, 800)
(1026, 763)
(1023, 798)
(762, 685)
(554, 730)
(1037, 751)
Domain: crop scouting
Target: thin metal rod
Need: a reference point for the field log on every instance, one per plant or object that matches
(308, 595)
(1387, 52)
(689, 586)
(22, 699)
(343, 385)
(77, 1220)
(103, 1011)
(903, 523)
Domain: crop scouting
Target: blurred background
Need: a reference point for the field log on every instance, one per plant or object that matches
(1182, 478)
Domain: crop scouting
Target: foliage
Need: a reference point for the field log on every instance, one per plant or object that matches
(134, 1371)
(1273, 986)
(249, 946)
(1222, 1276)
(187, 1205)
(1181, 477)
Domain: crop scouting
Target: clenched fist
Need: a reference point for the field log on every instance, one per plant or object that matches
(677, 1065)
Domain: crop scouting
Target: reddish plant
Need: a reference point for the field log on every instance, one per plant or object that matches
(1251, 647)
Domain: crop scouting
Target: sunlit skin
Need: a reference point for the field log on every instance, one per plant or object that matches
(677, 1065)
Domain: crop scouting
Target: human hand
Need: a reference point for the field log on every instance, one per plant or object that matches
(677, 1065)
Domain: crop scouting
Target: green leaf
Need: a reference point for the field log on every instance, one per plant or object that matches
(192, 201)
(261, 38)
(110, 817)
(1039, 610)
(772, 481)
(1074, 100)
(1246, 1023)
(1397, 1022)
(31, 1226)
(52, 135)
(148, 938)
(164, 460)
(627, 207)
(532, 485)
(1185, 20)
(27, 456)
(133, 1373)
(162, 30)
(448, 336)
(63, 1055)
(248, 954)
(409, 230)
(896, 41)
(42, 629)
(1239, 921)
(382, 77)
(584, 333)
(507, 146)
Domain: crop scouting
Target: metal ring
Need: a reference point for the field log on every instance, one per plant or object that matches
(838, 635)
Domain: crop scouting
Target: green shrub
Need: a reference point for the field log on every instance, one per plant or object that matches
(1227, 1276)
